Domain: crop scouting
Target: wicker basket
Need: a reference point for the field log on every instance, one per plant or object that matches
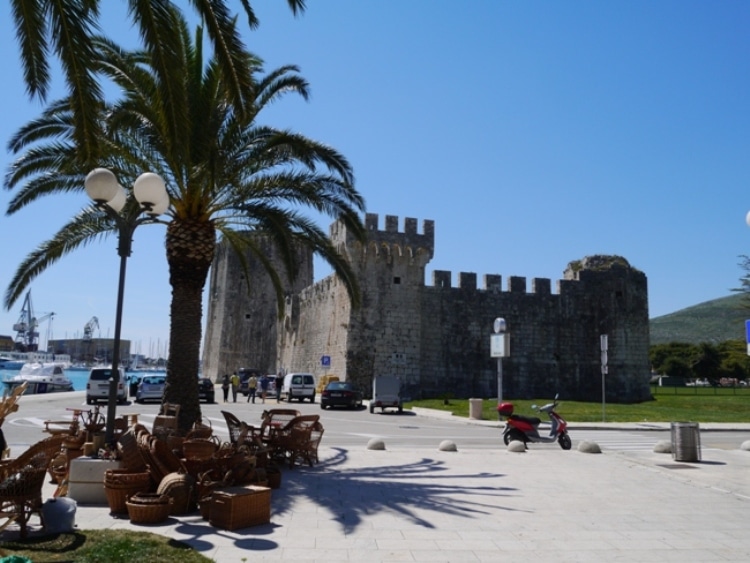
(130, 453)
(201, 430)
(205, 507)
(178, 486)
(199, 449)
(148, 508)
(119, 484)
(240, 507)
(273, 475)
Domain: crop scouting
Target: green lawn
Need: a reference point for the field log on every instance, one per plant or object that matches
(678, 404)
(99, 546)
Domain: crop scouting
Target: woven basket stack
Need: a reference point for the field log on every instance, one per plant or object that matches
(119, 484)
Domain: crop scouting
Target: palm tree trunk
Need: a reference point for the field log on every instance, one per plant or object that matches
(190, 249)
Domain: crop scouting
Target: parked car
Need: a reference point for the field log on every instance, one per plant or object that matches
(340, 394)
(97, 386)
(298, 386)
(151, 388)
(206, 390)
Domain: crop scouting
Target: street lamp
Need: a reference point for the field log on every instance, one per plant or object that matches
(499, 348)
(110, 197)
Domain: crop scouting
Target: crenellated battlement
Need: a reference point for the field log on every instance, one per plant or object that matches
(436, 335)
(441, 279)
(409, 237)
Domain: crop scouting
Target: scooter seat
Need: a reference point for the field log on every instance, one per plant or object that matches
(534, 421)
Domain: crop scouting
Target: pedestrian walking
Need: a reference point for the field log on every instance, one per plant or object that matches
(263, 387)
(235, 381)
(225, 387)
(252, 387)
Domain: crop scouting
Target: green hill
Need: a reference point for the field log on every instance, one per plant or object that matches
(713, 321)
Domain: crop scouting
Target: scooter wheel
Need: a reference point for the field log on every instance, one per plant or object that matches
(514, 436)
(565, 441)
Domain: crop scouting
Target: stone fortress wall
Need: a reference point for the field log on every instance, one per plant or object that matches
(437, 336)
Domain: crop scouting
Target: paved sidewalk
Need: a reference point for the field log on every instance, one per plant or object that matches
(488, 505)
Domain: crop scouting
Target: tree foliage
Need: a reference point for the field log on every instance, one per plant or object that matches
(178, 115)
(728, 359)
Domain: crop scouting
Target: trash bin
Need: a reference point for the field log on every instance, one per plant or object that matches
(475, 409)
(686, 441)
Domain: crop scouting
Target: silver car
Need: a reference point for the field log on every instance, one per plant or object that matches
(151, 388)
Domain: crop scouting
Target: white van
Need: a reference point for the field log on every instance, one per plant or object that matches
(298, 386)
(97, 386)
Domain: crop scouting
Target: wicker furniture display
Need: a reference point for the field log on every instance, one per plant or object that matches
(120, 484)
(237, 428)
(159, 458)
(239, 507)
(167, 418)
(70, 426)
(274, 419)
(310, 452)
(296, 441)
(148, 508)
(243, 434)
(180, 487)
(21, 482)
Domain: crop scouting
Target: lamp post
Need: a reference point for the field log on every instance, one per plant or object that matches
(604, 347)
(111, 198)
(499, 348)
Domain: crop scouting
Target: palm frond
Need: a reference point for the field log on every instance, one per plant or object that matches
(83, 229)
(31, 31)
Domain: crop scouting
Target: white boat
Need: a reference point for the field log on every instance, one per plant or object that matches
(16, 360)
(11, 363)
(47, 377)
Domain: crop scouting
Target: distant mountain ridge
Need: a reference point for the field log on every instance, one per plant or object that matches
(712, 321)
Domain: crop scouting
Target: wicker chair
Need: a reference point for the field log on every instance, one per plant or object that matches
(274, 419)
(310, 453)
(248, 436)
(21, 482)
(237, 428)
(295, 440)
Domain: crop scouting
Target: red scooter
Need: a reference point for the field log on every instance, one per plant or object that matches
(526, 428)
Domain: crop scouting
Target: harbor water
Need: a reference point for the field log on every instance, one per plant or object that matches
(79, 377)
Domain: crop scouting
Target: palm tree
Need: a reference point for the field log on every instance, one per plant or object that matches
(67, 27)
(225, 174)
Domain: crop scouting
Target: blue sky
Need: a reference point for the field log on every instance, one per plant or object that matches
(532, 133)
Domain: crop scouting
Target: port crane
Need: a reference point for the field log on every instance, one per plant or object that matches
(89, 328)
(27, 335)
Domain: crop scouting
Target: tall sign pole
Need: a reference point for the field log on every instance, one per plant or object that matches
(604, 345)
(499, 348)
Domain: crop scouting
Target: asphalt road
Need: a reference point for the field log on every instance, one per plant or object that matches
(345, 428)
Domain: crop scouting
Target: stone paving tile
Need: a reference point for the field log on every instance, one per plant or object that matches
(543, 505)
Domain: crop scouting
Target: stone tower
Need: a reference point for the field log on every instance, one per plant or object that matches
(242, 319)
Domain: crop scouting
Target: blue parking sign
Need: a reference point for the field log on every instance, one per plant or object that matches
(325, 361)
